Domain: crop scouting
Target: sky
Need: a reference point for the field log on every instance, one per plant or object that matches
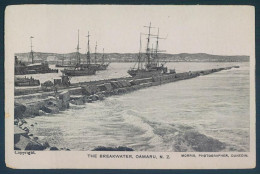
(220, 30)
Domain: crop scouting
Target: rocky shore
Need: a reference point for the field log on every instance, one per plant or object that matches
(38, 103)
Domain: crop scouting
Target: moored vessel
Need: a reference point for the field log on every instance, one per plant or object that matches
(97, 66)
(63, 65)
(79, 69)
(149, 66)
(25, 81)
(34, 68)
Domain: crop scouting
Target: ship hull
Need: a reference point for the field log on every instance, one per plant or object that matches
(34, 69)
(144, 73)
(103, 66)
(26, 82)
(24, 72)
(64, 66)
(97, 67)
(84, 72)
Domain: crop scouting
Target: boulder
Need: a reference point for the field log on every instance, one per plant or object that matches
(52, 105)
(89, 100)
(115, 85)
(46, 145)
(76, 102)
(75, 91)
(64, 96)
(101, 87)
(101, 96)
(86, 91)
(54, 148)
(128, 83)
(33, 108)
(16, 121)
(96, 96)
(93, 97)
(115, 92)
(19, 110)
(122, 83)
(132, 82)
(41, 112)
(105, 87)
(23, 121)
(140, 81)
(19, 132)
(26, 129)
(34, 146)
(118, 84)
(122, 90)
(89, 89)
(50, 109)
(108, 87)
(77, 99)
(25, 143)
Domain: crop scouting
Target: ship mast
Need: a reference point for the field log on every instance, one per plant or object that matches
(31, 49)
(148, 42)
(103, 57)
(152, 51)
(88, 53)
(96, 53)
(148, 53)
(77, 53)
(139, 55)
(156, 49)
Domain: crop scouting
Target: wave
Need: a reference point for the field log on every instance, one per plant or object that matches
(131, 117)
(172, 137)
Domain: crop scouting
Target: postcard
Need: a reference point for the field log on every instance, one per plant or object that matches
(130, 87)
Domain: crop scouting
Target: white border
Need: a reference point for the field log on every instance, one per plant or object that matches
(79, 159)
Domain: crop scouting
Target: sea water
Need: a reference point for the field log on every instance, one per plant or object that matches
(179, 116)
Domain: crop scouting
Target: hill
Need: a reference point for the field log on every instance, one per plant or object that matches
(132, 57)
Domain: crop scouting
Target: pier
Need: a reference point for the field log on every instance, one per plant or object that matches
(32, 103)
(38, 102)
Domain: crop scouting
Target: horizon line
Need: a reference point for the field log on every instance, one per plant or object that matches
(137, 53)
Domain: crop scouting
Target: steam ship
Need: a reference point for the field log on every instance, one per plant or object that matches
(34, 68)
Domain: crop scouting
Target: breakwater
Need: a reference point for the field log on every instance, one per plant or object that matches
(48, 102)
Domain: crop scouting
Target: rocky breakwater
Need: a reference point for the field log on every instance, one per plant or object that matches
(31, 106)
(39, 104)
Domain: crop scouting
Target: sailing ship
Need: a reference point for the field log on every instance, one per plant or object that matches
(151, 65)
(79, 69)
(97, 66)
(63, 65)
(34, 68)
(103, 65)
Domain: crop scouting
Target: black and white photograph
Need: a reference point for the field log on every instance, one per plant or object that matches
(131, 80)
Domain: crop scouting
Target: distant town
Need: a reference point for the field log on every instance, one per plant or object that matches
(53, 58)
